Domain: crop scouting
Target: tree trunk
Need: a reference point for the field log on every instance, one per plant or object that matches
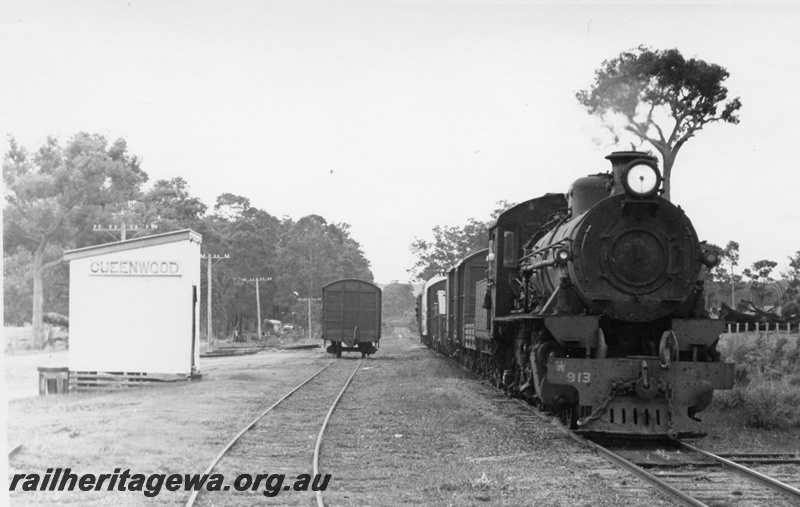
(38, 294)
(669, 160)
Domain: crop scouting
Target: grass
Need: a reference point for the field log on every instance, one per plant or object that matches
(763, 408)
(772, 405)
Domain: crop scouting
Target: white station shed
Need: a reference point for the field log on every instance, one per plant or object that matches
(133, 310)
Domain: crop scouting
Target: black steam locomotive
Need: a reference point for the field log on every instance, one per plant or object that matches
(589, 305)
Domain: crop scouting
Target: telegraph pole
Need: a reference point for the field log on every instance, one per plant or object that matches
(309, 299)
(258, 298)
(123, 230)
(210, 258)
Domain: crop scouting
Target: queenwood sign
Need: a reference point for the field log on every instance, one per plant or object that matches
(135, 268)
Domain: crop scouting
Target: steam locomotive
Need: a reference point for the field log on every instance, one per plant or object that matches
(589, 305)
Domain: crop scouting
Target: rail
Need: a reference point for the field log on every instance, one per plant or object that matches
(193, 496)
(673, 493)
(749, 473)
(318, 445)
(790, 492)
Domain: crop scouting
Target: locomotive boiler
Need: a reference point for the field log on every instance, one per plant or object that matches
(592, 307)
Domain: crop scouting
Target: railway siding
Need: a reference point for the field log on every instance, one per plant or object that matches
(279, 442)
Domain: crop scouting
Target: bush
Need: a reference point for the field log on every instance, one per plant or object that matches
(778, 354)
(741, 375)
(771, 406)
(793, 357)
(731, 399)
(762, 358)
(767, 382)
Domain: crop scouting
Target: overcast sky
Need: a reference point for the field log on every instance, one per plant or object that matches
(395, 117)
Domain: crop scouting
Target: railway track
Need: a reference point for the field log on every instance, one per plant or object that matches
(691, 476)
(688, 475)
(296, 423)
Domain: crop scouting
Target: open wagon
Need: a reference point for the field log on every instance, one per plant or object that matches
(351, 316)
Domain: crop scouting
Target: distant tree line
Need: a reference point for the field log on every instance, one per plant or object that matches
(756, 284)
(56, 195)
(450, 244)
(399, 304)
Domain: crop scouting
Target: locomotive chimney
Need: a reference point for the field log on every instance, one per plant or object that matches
(619, 160)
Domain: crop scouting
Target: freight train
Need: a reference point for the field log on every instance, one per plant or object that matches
(589, 305)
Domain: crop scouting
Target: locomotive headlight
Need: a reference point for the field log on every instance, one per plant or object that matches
(562, 256)
(710, 259)
(641, 179)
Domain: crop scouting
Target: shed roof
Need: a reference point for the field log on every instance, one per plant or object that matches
(132, 244)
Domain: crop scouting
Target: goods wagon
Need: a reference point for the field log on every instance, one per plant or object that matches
(351, 317)
(431, 312)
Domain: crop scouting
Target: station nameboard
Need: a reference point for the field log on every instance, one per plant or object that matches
(135, 268)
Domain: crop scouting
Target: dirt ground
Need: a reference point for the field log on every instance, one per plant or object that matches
(413, 429)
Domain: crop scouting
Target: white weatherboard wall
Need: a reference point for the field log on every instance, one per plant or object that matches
(131, 305)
